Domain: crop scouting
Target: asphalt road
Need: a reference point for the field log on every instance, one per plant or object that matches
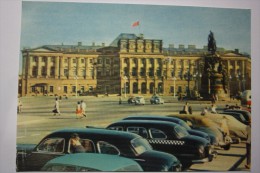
(37, 120)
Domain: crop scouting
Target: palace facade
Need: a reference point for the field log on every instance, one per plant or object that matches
(130, 65)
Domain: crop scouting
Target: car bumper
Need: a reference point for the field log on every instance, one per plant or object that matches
(205, 160)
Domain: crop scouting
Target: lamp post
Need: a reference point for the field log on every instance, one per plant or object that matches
(244, 82)
(76, 81)
(174, 89)
(125, 78)
(229, 84)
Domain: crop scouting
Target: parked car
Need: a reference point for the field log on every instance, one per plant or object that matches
(91, 162)
(155, 99)
(245, 113)
(131, 100)
(94, 140)
(236, 128)
(206, 125)
(139, 100)
(237, 116)
(171, 138)
(171, 119)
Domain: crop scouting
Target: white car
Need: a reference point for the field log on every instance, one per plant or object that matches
(156, 100)
(139, 100)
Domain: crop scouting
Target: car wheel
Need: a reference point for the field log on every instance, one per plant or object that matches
(186, 165)
(227, 147)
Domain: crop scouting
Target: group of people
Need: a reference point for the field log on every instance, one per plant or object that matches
(80, 108)
(212, 109)
(187, 109)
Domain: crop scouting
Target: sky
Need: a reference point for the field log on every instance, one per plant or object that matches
(56, 23)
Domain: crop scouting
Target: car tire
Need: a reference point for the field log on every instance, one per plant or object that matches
(186, 166)
(227, 147)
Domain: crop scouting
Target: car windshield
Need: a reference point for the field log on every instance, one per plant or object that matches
(180, 131)
(140, 145)
(185, 125)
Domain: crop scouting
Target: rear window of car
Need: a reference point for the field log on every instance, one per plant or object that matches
(138, 130)
(107, 148)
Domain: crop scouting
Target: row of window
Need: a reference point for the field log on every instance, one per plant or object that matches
(52, 59)
(42, 89)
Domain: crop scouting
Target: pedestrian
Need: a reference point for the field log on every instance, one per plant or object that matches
(83, 108)
(120, 100)
(190, 109)
(204, 111)
(248, 145)
(213, 109)
(224, 126)
(19, 106)
(79, 110)
(56, 107)
(185, 109)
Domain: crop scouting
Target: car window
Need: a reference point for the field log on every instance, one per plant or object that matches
(180, 132)
(106, 148)
(118, 128)
(138, 130)
(88, 145)
(157, 134)
(140, 145)
(52, 145)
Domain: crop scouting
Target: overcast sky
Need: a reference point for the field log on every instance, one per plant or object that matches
(70, 22)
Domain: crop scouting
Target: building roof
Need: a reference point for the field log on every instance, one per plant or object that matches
(122, 36)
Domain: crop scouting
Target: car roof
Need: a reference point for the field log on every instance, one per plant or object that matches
(103, 162)
(152, 117)
(94, 133)
(145, 123)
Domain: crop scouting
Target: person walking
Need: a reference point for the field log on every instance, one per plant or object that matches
(248, 145)
(56, 107)
(83, 108)
(213, 109)
(79, 110)
(19, 106)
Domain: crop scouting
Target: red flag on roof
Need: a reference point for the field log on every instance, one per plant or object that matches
(135, 24)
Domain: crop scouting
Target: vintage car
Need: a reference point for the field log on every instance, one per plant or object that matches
(171, 119)
(237, 116)
(236, 128)
(171, 138)
(94, 140)
(204, 124)
(245, 113)
(91, 162)
(139, 100)
(155, 99)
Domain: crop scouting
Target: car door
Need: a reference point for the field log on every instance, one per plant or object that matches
(45, 151)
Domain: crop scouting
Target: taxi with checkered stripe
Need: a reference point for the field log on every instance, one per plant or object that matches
(171, 138)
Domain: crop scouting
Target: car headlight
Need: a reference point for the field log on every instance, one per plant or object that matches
(201, 149)
(165, 168)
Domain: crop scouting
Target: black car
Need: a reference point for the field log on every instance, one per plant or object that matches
(96, 141)
(174, 120)
(171, 138)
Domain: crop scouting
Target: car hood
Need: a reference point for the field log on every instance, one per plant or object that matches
(155, 160)
(198, 133)
(192, 139)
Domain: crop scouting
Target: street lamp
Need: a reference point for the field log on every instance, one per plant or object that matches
(76, 81)
(229, 84)
(174, 89)
(125, 78)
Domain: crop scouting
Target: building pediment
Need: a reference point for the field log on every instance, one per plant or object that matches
(43, 49)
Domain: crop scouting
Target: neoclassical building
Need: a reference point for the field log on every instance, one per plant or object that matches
(130, 65)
